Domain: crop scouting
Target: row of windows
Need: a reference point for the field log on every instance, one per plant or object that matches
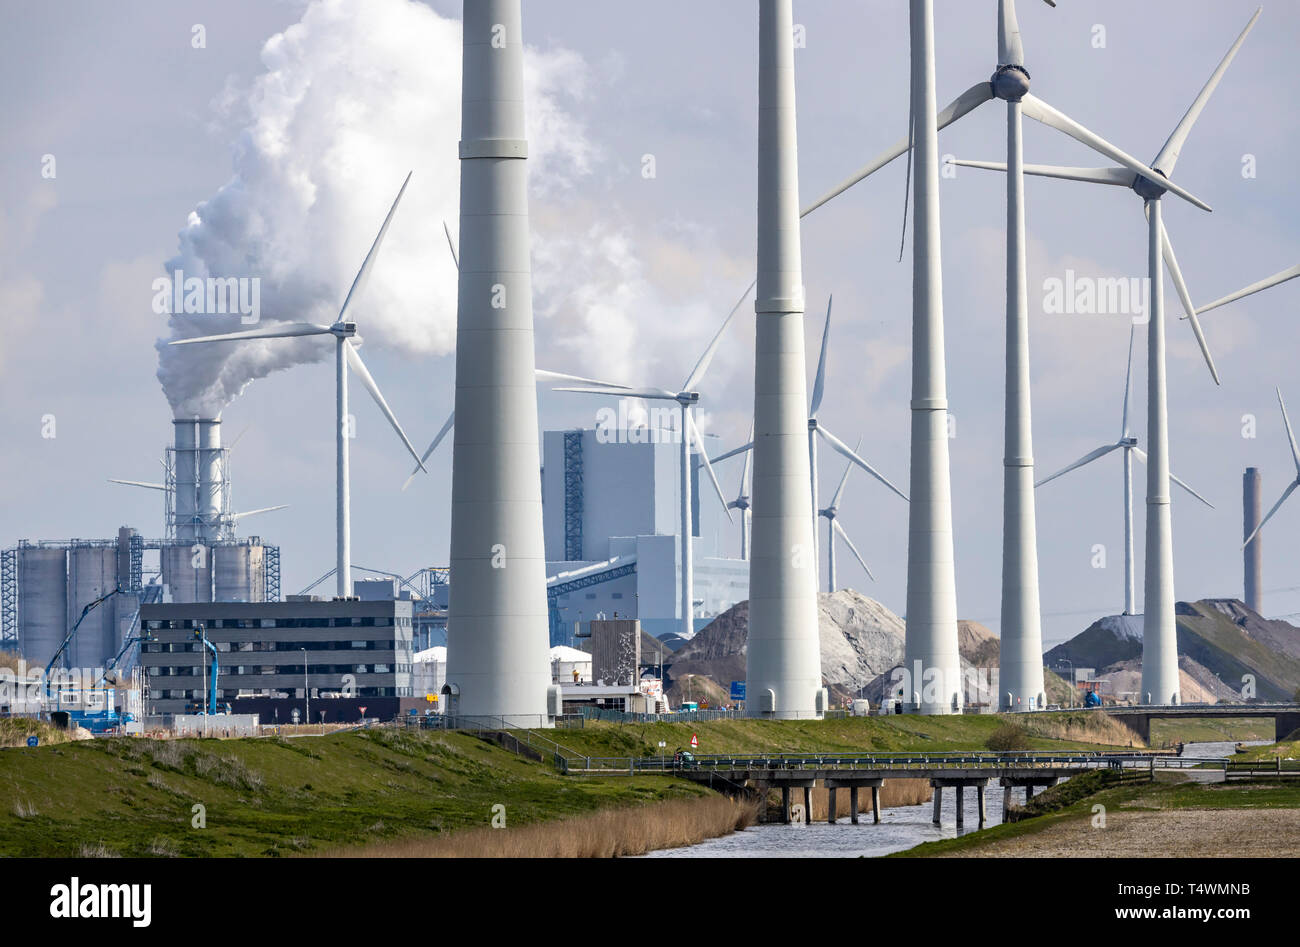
(225, 695)
(291, 669)
(160, 624)
(187, 647)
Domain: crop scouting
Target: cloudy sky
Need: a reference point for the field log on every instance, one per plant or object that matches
(293, 124)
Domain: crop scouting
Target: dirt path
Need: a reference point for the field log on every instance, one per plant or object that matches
(1173, 833)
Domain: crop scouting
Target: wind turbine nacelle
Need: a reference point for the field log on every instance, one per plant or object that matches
(1129, 442)
(344, 328)
(1148, 189)
(689, 397)
(1010, 83)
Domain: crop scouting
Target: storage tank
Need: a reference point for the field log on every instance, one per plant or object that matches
(186, 572)
(240, 572)
(92, 572)
(42, 602)
(185, 472)
(211, 480)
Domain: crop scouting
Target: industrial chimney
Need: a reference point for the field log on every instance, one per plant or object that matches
(783, 664)
(1254, 552)
(185, 476)
(497, 630)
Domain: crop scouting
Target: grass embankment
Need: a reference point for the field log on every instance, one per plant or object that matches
(135, 797)
(1142, 819)
(1168, 731)
(896, 733)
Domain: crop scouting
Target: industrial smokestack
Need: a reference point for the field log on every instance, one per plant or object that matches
(1254, 552)
(185, 477)
(211, 511)
(497, 628)
(783, 666)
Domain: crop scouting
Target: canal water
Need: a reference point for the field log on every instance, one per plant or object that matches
(900, 828)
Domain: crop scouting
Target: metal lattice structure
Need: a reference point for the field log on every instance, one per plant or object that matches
(553, 593)
(271, 565)
(9, 596)
(136, 550)
(573, 496)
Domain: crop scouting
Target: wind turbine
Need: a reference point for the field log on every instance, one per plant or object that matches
(688, 397)
(346, 356)
(1021, 665)
(1295, 456)
(1128, 444)
(1160, 681)
(833, 528)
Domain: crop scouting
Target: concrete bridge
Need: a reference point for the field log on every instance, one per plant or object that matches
(1286, 716)
(794, 772)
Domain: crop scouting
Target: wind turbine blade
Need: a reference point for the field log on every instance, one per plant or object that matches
(702, 365)
(265, 509)
(354, 360)
(1010, 49)
(654, 393)
(139, 483)
(1119, 177)
(698, 441)
(1295, 452)
(819, 385)
(363, 274)
(839, 530)
(286, 330)
(971, 99)
(1276, 507)
(843, 450)
(1085, 459)
(749, 458)
(544, 375)
(742, 449)
(1040, 111)
(839, 491)
(451, 245)
(1253, 288)
(447, 425)
(1128, 376)
(1141, 455)
(1168, 156)
(1181, 287)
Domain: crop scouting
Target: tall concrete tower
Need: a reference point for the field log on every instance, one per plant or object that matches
(932, 662)
(1254, 551)
(783, 669)
(497, 637)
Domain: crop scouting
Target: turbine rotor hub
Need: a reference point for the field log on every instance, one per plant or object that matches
(1148, 189)
(344, 330)
(1010, 82)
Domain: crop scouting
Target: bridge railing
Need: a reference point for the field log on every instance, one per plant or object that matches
(921, 762)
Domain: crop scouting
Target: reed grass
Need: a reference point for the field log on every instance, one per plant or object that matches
(606, 833)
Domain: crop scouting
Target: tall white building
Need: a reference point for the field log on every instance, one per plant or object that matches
(611, 505)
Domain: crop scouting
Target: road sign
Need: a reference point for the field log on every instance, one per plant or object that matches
(695, 741)
(296, 716)
(363, 711)
(737, 690)
(33, 741)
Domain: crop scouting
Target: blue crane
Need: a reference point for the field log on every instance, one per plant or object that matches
(211, 704)
(72, 633)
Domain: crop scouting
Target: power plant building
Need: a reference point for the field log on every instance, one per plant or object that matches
(611, 515)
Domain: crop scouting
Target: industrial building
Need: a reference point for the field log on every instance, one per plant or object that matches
(611, 519)
(343, 649)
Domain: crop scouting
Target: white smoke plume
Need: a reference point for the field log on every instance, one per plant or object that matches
(354, 95)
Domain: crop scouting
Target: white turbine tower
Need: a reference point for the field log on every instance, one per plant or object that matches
(497, 623)
(345, 357)
(1021, 655)
(742, 502)
(1160, 682)
(1295, 456)
(688, 435)
(783, 660)
(833, 528)
(1129, 445)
